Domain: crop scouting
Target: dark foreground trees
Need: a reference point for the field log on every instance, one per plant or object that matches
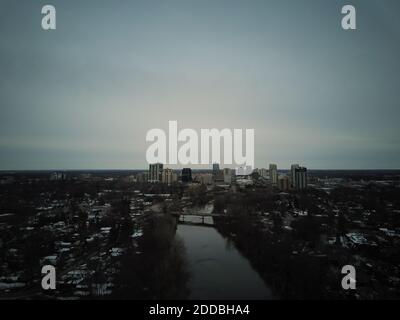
(156, 267)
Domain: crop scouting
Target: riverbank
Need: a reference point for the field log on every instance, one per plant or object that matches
(218, 270)
(290, 274)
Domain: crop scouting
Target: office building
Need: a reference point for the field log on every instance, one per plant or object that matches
(186, 175)
(215, 167)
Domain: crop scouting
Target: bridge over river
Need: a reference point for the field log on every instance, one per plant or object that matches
(187, 217)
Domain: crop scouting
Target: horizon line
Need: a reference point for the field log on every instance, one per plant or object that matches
(210, 169)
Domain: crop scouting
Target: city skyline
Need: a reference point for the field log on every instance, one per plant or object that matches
(200, 157)
(84, 95)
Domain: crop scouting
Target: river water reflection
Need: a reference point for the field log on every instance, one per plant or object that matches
(217, 268)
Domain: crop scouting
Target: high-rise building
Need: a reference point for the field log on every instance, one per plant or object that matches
(155, 172)
(283, 183)
(229, 176)
(215, 167)
(301, 178)
(168, 176)
(273, 173)
(186, 175)
(263, 173)
(293, 174)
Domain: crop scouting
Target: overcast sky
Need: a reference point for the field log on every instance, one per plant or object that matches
(85, 95)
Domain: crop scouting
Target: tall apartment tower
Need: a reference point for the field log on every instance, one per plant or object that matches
(155, 172)
(273, 173)
(168, 176)
(283, 183)
(301, 178)
(293, 174)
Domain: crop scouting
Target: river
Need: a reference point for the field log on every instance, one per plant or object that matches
(218, 270)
